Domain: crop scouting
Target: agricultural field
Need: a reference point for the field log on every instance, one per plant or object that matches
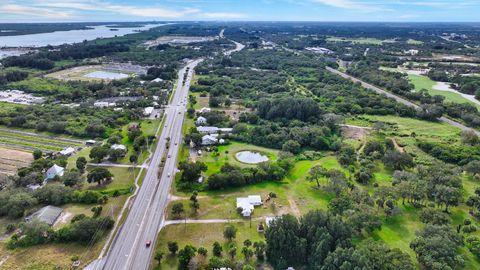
(28, 141)
(11, 160)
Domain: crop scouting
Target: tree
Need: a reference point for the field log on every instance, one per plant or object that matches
(185, 255)
(315, 173)
(97, 211)
(159, 257)
(72, 178)
(133, 158)
(98, 153)
(291, 146)
(14, 203)
(230, 232)
(177, 209)
(202, 251)
(232, 251)
(436, 247)
(99, 175)
(397, 160)
(191, 171)
(473, 244)
(81, 163)
(194, 202)
(260, 248)
(37, 154)
(247, 253)
(172, 247)
(217, 249)
(434, 216)
(381, 256)
(473, 167)
(342, 258)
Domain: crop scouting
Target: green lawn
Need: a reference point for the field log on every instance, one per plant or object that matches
(423, 82)
(123, 179)
(203, 235)
(226, 154)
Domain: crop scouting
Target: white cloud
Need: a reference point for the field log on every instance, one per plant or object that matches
(137, 11)
(13, 9)
(222, 15)
(353, 4)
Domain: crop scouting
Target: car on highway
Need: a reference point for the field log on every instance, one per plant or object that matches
(148, 243)
(168, 175)
(169, 156)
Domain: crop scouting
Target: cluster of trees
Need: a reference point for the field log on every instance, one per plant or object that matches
(432, 106)
(292, 135)
(13, 76)
(82, 230)
(454, 154)
(80, 121)
(191, 257)
(323, 241)
(44, 60)
(234, 176)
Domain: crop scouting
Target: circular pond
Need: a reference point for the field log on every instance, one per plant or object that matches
(250, 157)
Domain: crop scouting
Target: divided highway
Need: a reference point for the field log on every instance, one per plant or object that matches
(128, 249)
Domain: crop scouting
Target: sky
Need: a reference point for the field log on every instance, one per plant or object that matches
(239, 10)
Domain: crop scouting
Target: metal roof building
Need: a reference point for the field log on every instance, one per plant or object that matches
(48, 214)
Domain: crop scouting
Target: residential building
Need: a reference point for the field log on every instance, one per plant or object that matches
(67, 151)
(148, 111)
(48, 214)
(247, 204)
(210, 139)
(54, 171)
(201, 121)
(119, 147)
(205, 109)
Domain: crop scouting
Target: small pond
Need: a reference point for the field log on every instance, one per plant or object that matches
(106, 75)
(250, 157)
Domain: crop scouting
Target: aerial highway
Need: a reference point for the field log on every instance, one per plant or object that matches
(128, 249)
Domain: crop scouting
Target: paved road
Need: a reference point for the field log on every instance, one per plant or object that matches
(398, 99)
(128, 250)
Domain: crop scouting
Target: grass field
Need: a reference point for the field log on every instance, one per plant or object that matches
(123, 179)
(226, 154)
(203, 235)
(149, 128)
(365, 41)
(423, 82)
(10, 138)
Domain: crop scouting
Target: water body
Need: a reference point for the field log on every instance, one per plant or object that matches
(106, 75)
(250, 157)
(69, 37)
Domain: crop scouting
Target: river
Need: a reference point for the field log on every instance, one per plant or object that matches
(69, 37)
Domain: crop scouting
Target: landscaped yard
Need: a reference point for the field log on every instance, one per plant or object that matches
(226, 154)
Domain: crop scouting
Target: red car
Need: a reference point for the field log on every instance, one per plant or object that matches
(148, 243)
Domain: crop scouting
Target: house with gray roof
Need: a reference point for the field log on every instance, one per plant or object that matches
(48, 214)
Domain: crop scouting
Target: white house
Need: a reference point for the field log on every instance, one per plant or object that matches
(67, 151)
(225, 130)
(210, 139)
(157, 80)
(148, 111)
(269, 220)
(201, 120)
(54, 171)
(205, 109)
(90, 142)
(104, 104)
(247, 204)
(119, 147)
(207, 130)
